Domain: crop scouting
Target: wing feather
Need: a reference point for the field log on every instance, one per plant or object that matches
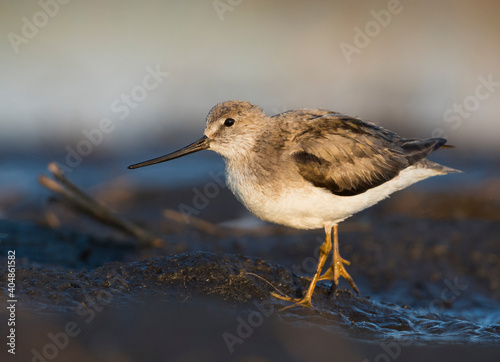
(348, 156)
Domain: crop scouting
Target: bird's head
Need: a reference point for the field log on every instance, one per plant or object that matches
(231, 129)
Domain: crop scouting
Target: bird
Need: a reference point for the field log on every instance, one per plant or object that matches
(310, 169)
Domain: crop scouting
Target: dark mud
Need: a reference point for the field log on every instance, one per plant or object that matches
(429, 278)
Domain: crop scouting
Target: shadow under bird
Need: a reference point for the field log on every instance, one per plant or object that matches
(311, 169)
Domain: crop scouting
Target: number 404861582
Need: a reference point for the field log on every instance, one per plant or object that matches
(11, 277)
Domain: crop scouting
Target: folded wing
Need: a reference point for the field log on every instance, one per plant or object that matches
(348, 156)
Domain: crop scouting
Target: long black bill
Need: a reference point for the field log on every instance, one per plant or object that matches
(202, 144)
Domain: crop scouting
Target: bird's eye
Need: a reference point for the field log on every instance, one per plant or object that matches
(228, 122)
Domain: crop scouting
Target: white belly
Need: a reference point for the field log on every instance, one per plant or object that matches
(310, 207)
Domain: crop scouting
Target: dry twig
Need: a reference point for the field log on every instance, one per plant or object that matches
(73, 197)
(213, 229)
(199, 224)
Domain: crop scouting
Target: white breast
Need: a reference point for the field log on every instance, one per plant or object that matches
(304, 206)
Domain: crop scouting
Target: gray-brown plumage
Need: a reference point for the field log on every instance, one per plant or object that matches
(311, 168)
(348, 156)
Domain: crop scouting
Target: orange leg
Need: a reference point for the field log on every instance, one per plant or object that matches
(337, 269)
(306, 300)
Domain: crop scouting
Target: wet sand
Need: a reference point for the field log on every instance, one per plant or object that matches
(428, 272)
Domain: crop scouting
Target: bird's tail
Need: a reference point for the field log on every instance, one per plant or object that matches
(438, 168)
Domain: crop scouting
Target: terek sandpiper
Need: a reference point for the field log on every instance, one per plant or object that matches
(311, 169)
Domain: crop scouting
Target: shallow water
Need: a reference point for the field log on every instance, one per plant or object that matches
(427, 261)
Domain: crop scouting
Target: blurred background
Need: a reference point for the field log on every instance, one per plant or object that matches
(98, 85)
(126, 80)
